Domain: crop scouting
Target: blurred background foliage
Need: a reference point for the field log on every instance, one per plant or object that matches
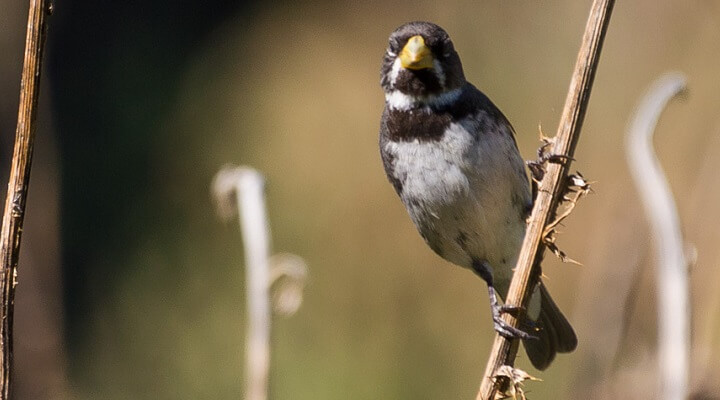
(130, 288)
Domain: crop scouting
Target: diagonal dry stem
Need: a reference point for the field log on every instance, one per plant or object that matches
(552, 187)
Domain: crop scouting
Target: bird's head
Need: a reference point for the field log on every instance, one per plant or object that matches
(421, 62)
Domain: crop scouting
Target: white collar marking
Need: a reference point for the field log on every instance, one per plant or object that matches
(397, 100)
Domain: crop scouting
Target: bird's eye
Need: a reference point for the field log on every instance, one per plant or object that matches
(395, 45)
(447, 48)
(438, 47)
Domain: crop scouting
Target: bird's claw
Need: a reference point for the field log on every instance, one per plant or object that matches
(506, 330)
(537, 167)
(510, 309)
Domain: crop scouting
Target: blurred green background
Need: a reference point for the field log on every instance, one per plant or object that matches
(131, 288)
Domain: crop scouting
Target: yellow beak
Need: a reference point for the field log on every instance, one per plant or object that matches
(415, 55)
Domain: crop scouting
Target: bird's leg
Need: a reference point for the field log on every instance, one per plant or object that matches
(502, 327)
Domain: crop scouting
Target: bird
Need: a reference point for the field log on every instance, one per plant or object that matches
(451, 156)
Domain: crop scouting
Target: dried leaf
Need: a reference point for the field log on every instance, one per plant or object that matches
(577, 187)
(509, 381)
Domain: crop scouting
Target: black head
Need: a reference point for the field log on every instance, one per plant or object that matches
(421, 61)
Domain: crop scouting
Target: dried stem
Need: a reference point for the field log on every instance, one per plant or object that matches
(248, 186)
(552, 187)
(240, 191)
(14, 212)
(672, 272)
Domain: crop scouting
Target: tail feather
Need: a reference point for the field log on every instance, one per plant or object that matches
(555, 334)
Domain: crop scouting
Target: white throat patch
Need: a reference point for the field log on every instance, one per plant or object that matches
(397, 100)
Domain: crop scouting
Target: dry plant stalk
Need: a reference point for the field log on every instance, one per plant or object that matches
(673, 287)
(247, 185)
(240, 191)
(14, 212)
(551, 190)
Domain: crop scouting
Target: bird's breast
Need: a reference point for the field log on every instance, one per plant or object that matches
(432, 170)
(461, 189)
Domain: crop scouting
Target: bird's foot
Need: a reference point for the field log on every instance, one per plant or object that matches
(503, 328)
(510, 309)
(537, 167)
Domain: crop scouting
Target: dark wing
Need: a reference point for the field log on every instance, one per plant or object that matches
(474, 99)
(388, 159)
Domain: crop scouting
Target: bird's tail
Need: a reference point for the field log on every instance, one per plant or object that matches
(555, 335)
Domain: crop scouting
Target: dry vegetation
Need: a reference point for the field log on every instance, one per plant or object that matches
(294, 92)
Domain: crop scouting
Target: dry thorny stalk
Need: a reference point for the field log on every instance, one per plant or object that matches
(555, 187)
(508, 381)
(576, 187)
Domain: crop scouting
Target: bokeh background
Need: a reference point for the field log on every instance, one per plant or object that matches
(131, 288)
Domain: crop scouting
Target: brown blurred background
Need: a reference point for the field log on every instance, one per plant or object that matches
(130, 288)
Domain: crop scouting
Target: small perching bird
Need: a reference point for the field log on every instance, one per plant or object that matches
(451, 156)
